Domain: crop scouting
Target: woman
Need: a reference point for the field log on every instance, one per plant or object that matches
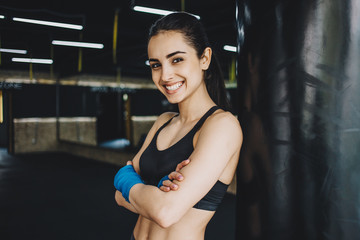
(206, 136)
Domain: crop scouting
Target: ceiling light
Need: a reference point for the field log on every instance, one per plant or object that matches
(17, 51)
(230, 48)
(33, 60)
(47, 23)
(2, 16)
(156, 11)
(78, 44)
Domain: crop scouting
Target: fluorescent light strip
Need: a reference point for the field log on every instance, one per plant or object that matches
(152, 10)
(78, 44)
(230, 48)
(33, 60)
(157, 11)
(47, 23)
(17, 51)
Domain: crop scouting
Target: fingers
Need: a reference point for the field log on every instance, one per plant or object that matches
(182, 164)
(164, 189)
(176, 176)
(170, 185)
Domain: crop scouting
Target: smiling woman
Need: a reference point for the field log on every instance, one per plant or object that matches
(174, 70)
(181, 173)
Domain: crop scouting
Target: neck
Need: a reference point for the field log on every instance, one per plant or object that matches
(195, 107)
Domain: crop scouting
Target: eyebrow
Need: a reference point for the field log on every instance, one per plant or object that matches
(167, 56)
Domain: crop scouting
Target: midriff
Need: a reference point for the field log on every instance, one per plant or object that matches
(191, 227)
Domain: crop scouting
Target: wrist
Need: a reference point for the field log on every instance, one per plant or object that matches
(125, 179)
(163, 179)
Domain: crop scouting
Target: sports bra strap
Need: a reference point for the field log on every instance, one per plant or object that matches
(197, 125)
(202, 120)
(166, 123)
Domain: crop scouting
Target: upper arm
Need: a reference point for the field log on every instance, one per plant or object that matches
(219, 141)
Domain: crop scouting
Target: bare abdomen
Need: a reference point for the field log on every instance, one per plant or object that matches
(192, 226)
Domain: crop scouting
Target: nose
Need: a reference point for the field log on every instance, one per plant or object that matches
(167, 73)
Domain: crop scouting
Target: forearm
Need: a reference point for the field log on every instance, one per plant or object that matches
(125, 181)
(146, 200)
(143, 198)
(154, 204)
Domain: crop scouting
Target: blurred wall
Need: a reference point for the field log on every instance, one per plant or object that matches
(299, 94)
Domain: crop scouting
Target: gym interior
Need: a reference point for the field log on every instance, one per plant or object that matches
(71, 116)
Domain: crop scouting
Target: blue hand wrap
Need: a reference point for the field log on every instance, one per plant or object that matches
(163, 179)
(125, 179)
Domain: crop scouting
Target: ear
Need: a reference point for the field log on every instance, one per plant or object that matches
(206, 58)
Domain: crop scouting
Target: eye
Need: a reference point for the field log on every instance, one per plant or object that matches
(176, 60)
(155, 65)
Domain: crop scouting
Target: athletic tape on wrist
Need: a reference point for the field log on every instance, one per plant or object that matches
(125, 179)
(163, 179)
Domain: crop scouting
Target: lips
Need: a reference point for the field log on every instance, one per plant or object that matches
(174, 87)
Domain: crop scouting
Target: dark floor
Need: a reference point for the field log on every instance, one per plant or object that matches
(59, 196)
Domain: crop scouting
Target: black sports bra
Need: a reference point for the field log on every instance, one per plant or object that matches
(155, 164)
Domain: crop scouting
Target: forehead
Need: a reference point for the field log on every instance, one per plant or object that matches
(167, 42)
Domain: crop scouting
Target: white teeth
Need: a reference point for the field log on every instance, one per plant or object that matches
(174, 87)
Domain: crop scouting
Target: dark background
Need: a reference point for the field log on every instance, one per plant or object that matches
(97, 18)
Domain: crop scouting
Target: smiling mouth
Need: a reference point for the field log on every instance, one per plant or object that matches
(174, 86)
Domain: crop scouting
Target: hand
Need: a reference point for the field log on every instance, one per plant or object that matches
(168, 185)
(120, 200)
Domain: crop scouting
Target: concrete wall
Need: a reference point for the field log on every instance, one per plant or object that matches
(141, 126)
(78, 129)
(39, 135)
(35, 135)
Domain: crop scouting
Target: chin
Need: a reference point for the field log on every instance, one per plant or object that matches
(173, 100)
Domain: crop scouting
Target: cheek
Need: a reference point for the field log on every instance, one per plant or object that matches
(156, 80)
(155, 77)
(192, 70)
(196, 74)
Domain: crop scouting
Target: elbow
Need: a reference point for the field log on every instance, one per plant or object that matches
(165, 217)
(163, 221)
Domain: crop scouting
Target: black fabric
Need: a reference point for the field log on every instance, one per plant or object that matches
(155, 164)
(213, 198)
(132, 237)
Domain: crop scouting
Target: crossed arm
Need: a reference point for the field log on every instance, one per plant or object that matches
(166, 186)
(219, 141)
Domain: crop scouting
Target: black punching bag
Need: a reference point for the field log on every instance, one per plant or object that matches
(298, 75)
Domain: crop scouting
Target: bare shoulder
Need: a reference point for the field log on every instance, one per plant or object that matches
(224, 124)
(163, 118)
(222, 119)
